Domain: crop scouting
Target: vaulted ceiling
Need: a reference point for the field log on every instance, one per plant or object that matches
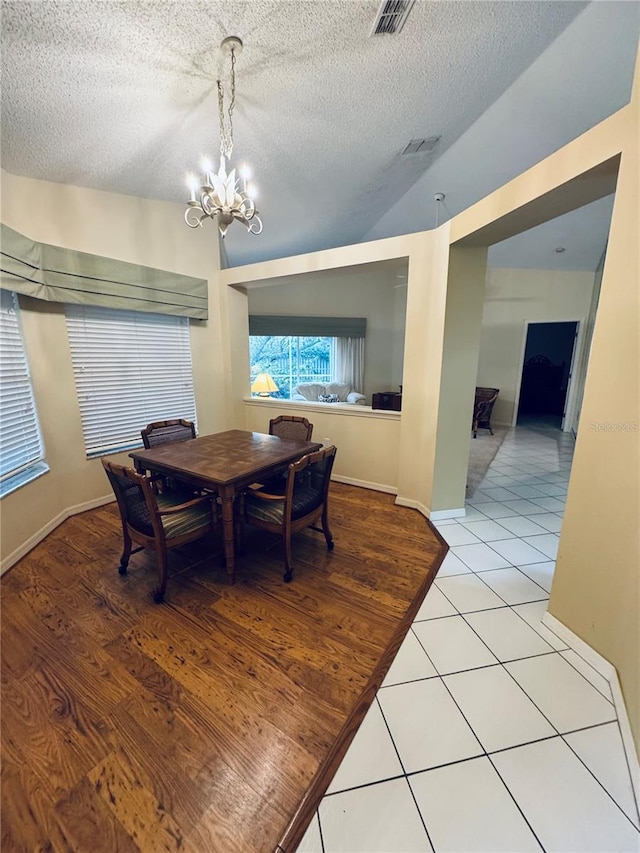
(121, 96)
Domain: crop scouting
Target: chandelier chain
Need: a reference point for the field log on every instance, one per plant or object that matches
(232, 102)
(226, 128)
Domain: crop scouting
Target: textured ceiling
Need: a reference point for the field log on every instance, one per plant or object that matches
(120, 96)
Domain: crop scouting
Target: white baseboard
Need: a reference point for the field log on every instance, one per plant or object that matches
(432, 515)
(365, 484)
(608, 671)
(442, 514)
(32, 541)
(438, 515)
(424, 510)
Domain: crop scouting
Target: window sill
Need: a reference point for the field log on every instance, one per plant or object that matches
(24, 477)
(349, 409)
(111, 451)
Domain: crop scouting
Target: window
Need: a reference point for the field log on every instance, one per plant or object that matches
(131, 368)
(290, 359)
(294, 349)
(21, 450)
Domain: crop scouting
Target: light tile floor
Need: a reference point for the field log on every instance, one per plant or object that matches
(488, 733)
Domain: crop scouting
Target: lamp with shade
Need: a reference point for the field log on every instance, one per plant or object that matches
(263, 385)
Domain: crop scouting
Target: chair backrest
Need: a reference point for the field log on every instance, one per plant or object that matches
(292, 427)
(136, 499)
(308, 481)
(164, 432)
(484, 400)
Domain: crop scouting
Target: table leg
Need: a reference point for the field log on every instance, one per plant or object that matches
(227, 536)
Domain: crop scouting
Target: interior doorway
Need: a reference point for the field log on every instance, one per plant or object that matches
(549, 354)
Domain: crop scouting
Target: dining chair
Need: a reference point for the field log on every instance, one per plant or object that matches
(163, 432)
(160, 522)
(304, 502)
(287, 427)
(291, 426)
(482, 408)
(167, 432)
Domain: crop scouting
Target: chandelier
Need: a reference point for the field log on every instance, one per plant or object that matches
(220, 196)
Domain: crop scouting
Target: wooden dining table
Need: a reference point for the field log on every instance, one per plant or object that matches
(224, 463)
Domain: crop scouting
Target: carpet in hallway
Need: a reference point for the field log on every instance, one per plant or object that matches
(482, 451)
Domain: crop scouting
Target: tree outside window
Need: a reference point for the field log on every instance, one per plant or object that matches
(290, 360)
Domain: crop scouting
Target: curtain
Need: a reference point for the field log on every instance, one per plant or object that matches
(55, 274)
(304, 327)
(347, 358)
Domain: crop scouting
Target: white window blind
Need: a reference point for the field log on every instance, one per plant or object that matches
(131, 368)
(21, 451)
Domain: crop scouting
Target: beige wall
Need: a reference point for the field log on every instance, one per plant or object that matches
(145, 232)
(596, 589)
(513, 296)
(397, 333)
(465, 294)
(353, 431)
(371, 294)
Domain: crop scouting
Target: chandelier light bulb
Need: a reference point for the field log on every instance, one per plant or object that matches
(192, 183)
(252, 190)
(220, 195)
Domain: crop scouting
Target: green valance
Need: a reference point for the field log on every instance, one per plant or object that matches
(321, 327)
(64, 275)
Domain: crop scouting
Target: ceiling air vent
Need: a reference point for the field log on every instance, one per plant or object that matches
(391, 16)
(420, 146)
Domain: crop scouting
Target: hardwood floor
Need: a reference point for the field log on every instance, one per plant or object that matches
(214, 721)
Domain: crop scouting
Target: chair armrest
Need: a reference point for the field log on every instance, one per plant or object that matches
(186, 505)
(296, 396)
(354, 397)
(265, 496)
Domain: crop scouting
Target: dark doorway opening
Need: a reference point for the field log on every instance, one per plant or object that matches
(546, 373)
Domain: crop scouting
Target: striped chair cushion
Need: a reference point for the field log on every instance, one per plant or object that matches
(186, 521)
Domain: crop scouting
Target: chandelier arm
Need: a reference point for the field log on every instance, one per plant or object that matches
(248, 207)
(256, 225)
(192, 219)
